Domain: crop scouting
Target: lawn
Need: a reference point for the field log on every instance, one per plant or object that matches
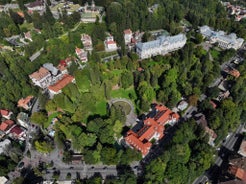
(126, 107)
(53, 115)
(124, 93)
(101, 108)
(215, 54)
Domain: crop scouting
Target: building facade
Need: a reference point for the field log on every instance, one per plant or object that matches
(224, 41)
(152, 129)
(161, 46)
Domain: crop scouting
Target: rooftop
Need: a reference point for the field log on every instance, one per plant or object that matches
(61, 83)
(40, 74)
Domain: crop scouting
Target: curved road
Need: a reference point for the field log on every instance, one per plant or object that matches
(131, 117)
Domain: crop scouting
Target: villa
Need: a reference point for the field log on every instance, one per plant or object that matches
(87, 42)
(110, 44)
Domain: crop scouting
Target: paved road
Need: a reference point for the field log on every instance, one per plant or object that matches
(131, 118)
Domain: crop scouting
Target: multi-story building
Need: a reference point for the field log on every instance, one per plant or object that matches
(87, 42)
(26, 103)
(161, 46)
(153, 128)
(57, 87)
(82, 54)
(224, 41)
(128, 35)
(110, 44)
(41, 78)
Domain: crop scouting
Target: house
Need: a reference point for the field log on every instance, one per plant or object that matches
(17, 133)
(238, 168)
(161, 46)
(182, 105)
(224, 41)
(110, 44)
(38, 5)
(64, 64)
(5, 113)
(152, 129)
(232, 71)
(3, 145)
(6, 126)
(3, 180)
(87, 42)
(41, 78)
(57, 87)
(26, 103)
(201, 120)
(28, 36)
(82, 54)
(23, 119)
(242, 149)
(128, 35)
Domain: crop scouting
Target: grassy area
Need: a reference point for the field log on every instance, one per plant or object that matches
(101, 108)
(124, 93)
(27, 26)
(124, 105)
(215, 54)
(46, 124)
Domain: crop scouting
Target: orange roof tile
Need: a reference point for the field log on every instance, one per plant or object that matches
(41, 73)
(4, 112)
(3, 126)
(23, 102)
(128, 31)
(61, 83)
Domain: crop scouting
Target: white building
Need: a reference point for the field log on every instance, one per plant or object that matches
(161, 46)
(224, 41)
(110, 44)
(128, 36)
(87, 42)
(41, 78)
(4, 144)
(82, 55)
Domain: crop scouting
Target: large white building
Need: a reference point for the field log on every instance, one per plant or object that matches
(161, 46)
(224, 41)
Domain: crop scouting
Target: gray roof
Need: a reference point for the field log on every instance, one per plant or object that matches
(161, 40)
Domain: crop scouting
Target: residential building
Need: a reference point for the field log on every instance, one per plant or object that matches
(5, 113)
(232, 71)
(152, 129)
(38, 5)
(41, 78)
(26, 103)
(82, 54)
(238, 168)
(110, 44)
(87, 42)
(6, 126)
(242, 149)
(201, 120)
(17, 133)
(182, 105)
(64, 64)
(3, 180)
(161, 46)
(128, 35)
(224, 41)
(3, 145)
(28, 36)
(23, 119)
(57, 87)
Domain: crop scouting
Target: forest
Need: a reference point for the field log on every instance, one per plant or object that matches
(83, 112)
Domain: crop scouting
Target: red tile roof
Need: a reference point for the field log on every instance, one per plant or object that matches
(238, 172)
(4, 112)
(23, 102)
(153, 128)
(7, 124)
(41, 73)
(61, 83)
(128, 31)
(111, 42)
(16, 130)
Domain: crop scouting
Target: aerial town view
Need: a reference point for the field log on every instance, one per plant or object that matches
(122, 92)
